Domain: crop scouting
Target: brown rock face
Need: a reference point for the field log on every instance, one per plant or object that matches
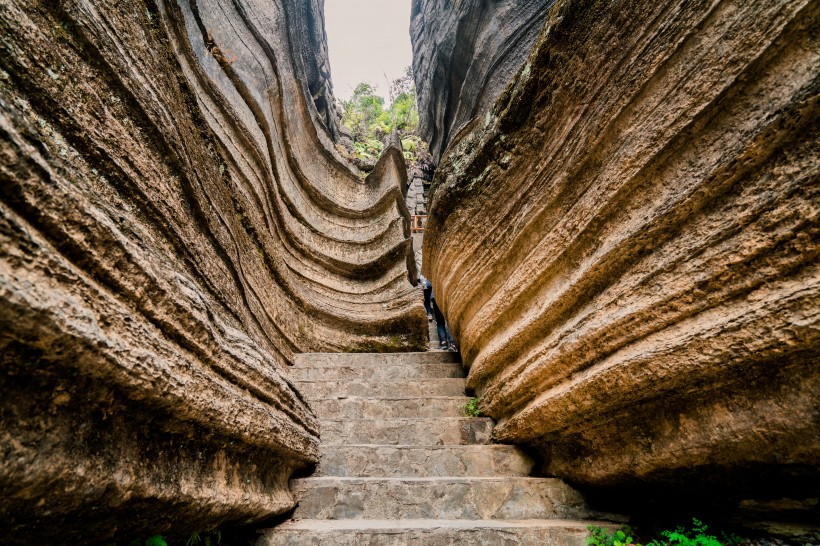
(626, 245)
(174, 225)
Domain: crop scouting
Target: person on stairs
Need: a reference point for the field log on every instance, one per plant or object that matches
(445, 340)
(428, 293)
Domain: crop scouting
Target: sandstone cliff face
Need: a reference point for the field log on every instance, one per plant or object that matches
(175, 225)
(626, 245)
(464, 53)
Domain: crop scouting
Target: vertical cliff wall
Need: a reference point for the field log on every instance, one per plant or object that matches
(174, 225)
(464, 54)
(626, 244)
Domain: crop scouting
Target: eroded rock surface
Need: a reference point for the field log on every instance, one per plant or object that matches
(175, 225)
(464, 54)
(626, 244)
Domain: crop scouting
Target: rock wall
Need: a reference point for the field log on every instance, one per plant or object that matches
(626, 245)
(464, 53)
(175, 224)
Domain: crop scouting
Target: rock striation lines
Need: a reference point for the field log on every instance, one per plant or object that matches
(625, 246)
(176, 224)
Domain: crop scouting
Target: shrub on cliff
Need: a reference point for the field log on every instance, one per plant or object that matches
(364, 114)
(370, 122)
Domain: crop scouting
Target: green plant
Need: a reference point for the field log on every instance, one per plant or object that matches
(600, 537)
(697, 536)
(470, 409)
(370, 121)
(205, 538)
(156, 540)
(364, 113)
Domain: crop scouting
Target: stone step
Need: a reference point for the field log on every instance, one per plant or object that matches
(378, 389)
(428, 532)
(433, 370)
(432, 431)
(324, 360)
(355, 407)
(436, 498)
(422, 461)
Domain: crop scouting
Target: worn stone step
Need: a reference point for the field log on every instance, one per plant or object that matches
(429, 532)
(378, 389)
(436, 498)
(437, 370)
(356, 407)
(323, 360)
(422, 461)
(432, 431)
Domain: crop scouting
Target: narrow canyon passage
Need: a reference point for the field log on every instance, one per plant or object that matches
(209, 272)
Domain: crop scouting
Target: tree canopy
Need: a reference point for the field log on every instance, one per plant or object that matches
(369, 121)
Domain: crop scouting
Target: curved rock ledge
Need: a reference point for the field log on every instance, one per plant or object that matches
(175, 224)
(626, 245)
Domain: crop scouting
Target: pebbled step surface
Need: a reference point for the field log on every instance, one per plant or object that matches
(374, 359)
(436, 498)
(442, 431)
(422, 461)
(356, 407)
(429, 533)
(377, 389)
(433, 370)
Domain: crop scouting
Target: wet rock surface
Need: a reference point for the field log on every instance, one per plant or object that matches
(625, 245)
(175, 224)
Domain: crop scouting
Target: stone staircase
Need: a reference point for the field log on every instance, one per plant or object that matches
(401, 464)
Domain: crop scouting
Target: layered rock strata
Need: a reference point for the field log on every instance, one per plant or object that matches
(464, 53)
(175, 226)
(626, 244)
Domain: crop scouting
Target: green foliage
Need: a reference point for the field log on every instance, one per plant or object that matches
(370, 148)
(364, 114)
(404, 112)
(470, 409)
(600, 537)
(597, 536)
(697, 536)
(205, 538)
(412, 145)
(370, 121)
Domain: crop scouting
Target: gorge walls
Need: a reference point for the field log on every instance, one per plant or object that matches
(175, 224)
(626, 243)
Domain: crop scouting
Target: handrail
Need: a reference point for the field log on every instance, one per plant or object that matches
(419, 221)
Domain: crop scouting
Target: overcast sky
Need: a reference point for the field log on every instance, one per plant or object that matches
(366, 40)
